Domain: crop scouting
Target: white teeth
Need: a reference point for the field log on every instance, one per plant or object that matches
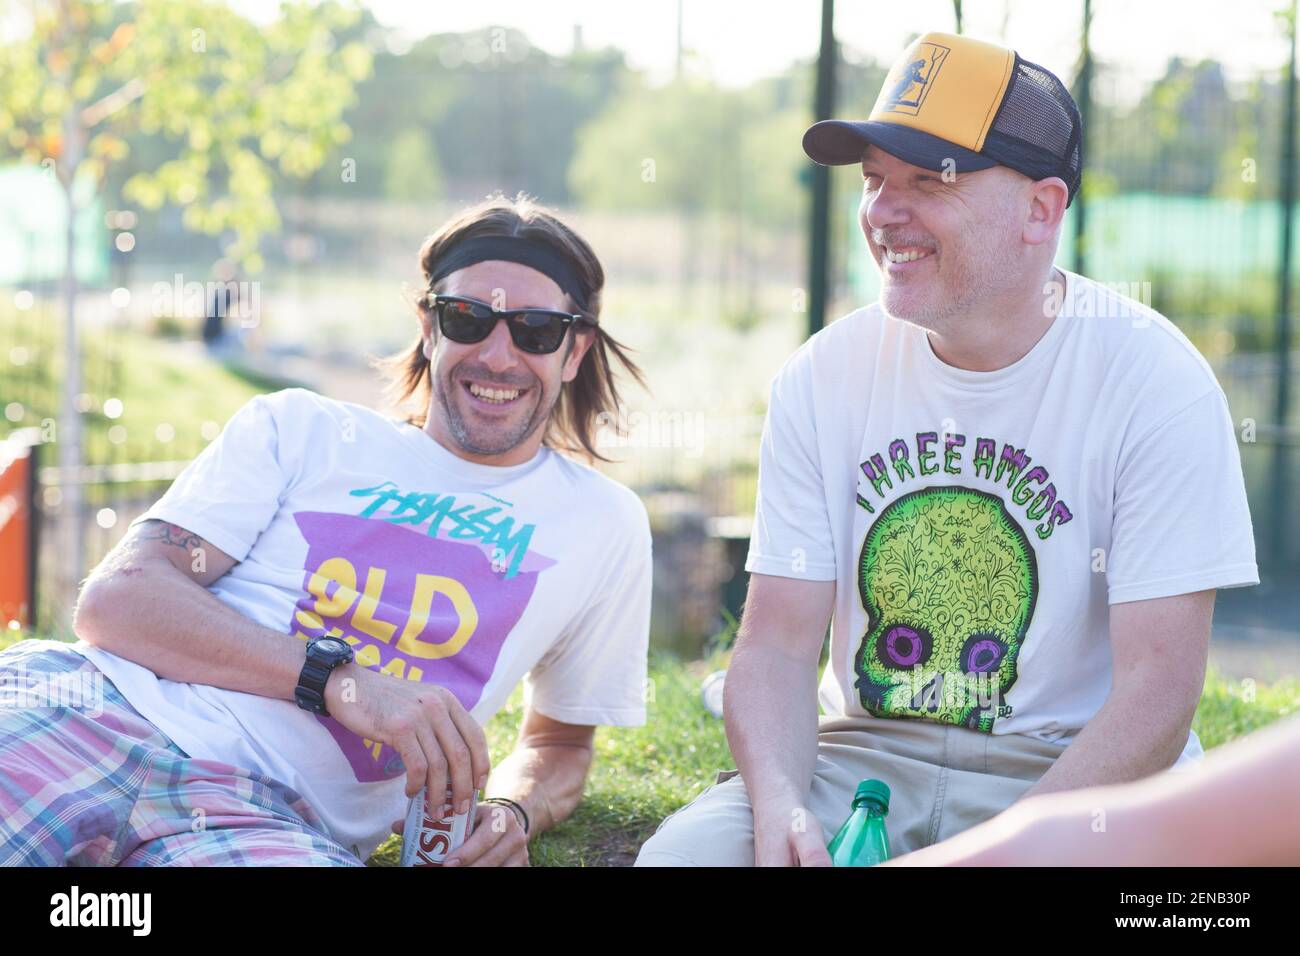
(497, 395)
(906, 256)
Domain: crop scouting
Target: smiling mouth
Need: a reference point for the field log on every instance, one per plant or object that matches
(906, 253)
(488, 395)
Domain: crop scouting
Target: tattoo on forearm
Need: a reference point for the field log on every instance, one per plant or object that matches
(168, 533)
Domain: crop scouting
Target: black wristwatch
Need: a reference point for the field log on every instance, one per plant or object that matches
(323, 655)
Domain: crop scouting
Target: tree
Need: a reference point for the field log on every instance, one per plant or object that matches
(231, 95)
(708, 154)
(412, 171)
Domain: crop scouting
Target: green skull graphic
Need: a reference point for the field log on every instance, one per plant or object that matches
(949, 582)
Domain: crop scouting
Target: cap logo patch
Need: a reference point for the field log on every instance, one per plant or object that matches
(913, 83)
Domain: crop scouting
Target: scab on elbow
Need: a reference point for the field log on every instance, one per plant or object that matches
(96, 602)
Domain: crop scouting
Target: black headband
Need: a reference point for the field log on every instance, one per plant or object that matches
(512, 249)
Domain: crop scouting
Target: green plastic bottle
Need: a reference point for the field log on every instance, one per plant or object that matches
(862, 841)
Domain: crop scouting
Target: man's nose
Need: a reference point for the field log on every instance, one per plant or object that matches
(497, 351)
(888, 207)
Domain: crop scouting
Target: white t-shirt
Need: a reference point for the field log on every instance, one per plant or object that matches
(433, 568)
(979, 524)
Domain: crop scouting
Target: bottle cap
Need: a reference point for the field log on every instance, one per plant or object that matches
(874, 791)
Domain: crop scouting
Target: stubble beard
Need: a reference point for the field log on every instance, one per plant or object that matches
(483, 444)
(976, 276)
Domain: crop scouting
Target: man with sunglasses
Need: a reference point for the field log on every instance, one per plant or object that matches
(1010, 491)
(318, 617)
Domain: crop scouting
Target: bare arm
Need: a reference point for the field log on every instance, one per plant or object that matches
(547, 770)
(1159, 650)
(1236, 809)
(770, 703)
(148, 602)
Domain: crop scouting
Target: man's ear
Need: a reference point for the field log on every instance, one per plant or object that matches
(581, 340)
(426, 331)
(1047, 201)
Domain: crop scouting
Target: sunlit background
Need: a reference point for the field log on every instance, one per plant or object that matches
(299, 156)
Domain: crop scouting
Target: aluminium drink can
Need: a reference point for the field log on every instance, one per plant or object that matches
(427, 841)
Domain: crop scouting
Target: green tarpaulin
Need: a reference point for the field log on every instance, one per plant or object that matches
(33, 220)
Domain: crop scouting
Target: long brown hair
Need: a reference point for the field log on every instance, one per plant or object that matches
(592, 396)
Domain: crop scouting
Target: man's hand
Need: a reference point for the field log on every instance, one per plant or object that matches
(498, 839)
(770, 707)
(789, 838)
(437, 739)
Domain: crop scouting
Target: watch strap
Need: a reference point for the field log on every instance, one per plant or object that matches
(316, 670)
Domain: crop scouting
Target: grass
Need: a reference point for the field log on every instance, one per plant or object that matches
(642, 774)
(158, 382)
(1233, 708)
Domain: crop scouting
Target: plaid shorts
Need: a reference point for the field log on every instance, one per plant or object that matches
(85, 780)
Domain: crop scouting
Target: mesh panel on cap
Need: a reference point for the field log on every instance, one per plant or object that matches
(1037, 128)
(1041, 120)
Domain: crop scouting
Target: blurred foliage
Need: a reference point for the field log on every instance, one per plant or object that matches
(157, 383)
(234, 134)
(693, 147)
(412, 170)
(218, 113)
(231, 99)
(492, 110)
(1192, 132)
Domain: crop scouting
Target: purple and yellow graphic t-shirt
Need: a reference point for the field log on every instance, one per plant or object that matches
(432, 568)
(979, 525)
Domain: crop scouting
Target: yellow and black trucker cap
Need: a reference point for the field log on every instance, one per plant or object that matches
(956, 103)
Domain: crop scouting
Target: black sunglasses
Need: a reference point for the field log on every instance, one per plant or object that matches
(537, 331)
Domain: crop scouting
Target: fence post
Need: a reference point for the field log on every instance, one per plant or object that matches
(1083, 99)
(1281, 504)
(819, 240)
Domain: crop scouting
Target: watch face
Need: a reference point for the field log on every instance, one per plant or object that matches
(331, 645)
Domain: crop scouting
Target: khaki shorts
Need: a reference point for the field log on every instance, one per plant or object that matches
(942, 780)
